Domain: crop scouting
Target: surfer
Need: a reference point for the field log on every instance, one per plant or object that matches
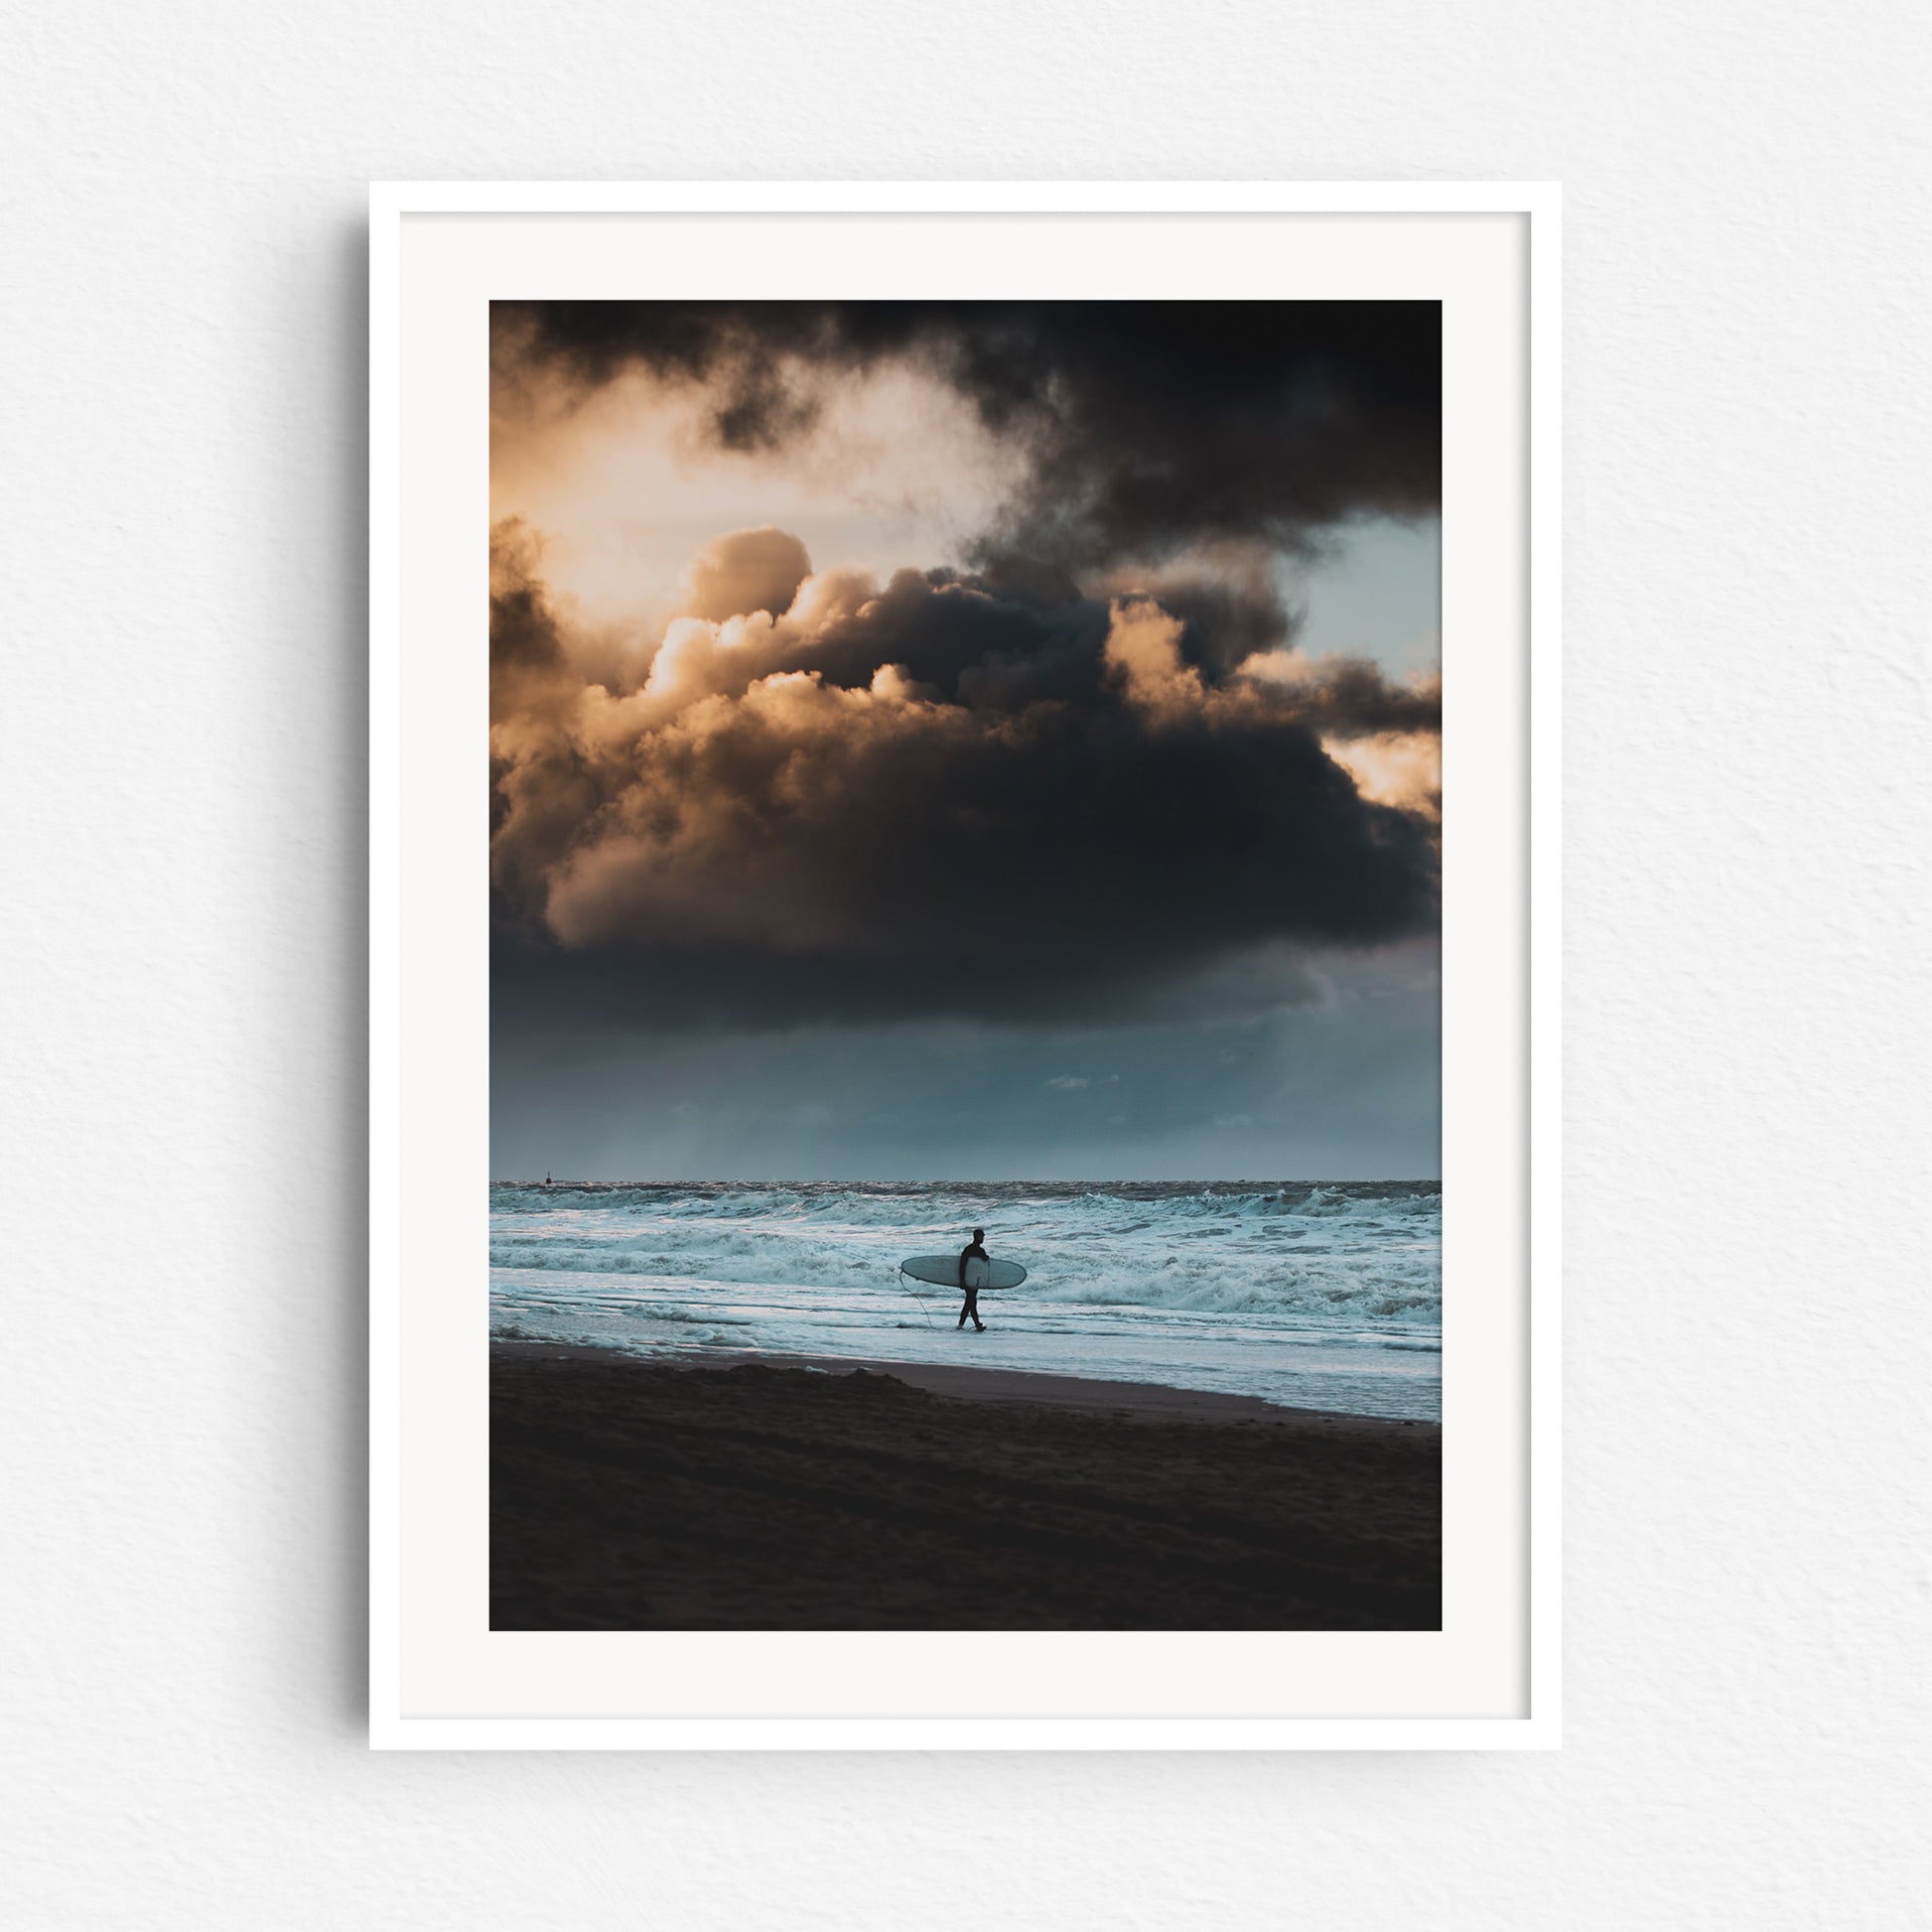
(972, 1251)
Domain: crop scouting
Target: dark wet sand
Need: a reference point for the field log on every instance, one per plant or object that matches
(637, 1495)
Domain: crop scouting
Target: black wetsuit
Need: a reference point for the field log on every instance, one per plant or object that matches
(972, 1251)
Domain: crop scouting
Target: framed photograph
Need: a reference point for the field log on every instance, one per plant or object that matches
(963, 951)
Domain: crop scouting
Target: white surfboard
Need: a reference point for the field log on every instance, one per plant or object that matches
(942, 1271)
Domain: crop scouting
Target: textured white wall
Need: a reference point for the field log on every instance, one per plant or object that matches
(180, 497)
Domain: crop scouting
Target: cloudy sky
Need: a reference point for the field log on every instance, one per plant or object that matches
(965, 741)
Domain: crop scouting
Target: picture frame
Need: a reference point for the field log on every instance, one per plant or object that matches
(440, 1678)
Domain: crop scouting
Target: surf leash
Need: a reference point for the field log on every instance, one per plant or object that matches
(916, 1295)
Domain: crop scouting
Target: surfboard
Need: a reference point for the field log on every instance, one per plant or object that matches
(942, 1271)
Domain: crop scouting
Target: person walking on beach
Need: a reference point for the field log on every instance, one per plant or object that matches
(972, 1251)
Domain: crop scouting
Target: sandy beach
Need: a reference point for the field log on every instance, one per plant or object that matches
(794, 1493)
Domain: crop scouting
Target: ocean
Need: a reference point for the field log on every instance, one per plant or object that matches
(1324, 1295)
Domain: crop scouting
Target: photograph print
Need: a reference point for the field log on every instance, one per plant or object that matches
(965, 850)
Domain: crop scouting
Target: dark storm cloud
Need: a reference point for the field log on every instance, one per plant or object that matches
(977, 796)
(524, 641)
(1148, 428)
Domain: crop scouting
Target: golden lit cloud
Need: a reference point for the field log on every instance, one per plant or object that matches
(735, 739)
(1399, 768)
(830, 783)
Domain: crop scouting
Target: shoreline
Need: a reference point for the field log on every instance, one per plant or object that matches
(976, 1382)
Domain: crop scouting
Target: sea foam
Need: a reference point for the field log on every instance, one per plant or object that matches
(1325, 1293)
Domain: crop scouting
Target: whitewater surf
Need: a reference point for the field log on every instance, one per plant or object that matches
(1327, 1294)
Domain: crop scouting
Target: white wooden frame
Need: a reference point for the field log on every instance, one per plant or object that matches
(439, 1679)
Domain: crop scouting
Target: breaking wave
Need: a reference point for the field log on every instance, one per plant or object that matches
(1288, 1290)
(1315, 1293)
(1233, 1248)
